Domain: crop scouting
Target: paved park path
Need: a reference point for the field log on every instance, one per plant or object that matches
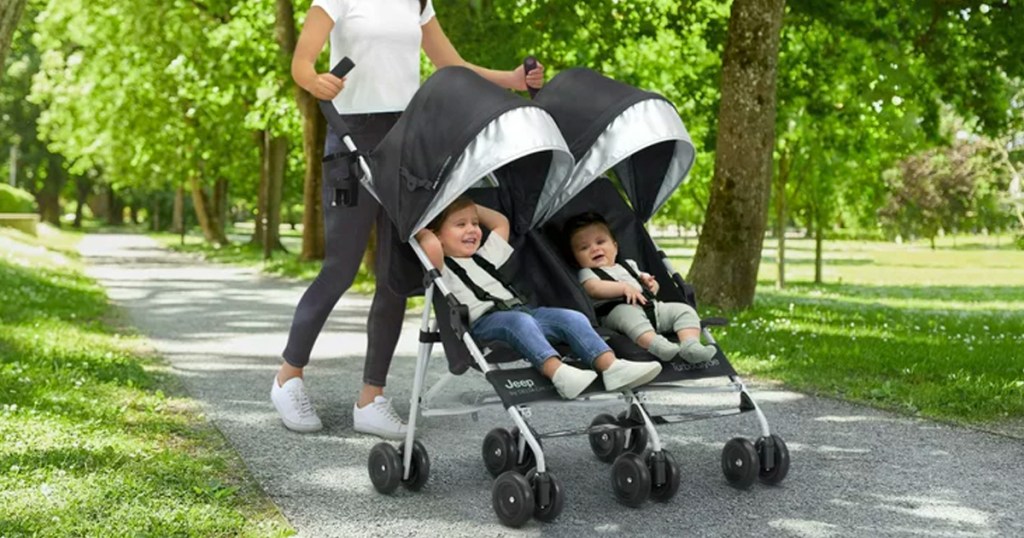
(855, 471)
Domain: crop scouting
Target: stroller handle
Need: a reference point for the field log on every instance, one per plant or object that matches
(529, 64)
(340, 128)
(327, 107)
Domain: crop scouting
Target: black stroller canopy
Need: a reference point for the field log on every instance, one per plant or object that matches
(611, 125)
(458, 129)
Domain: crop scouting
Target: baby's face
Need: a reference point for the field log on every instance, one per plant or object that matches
(593, 246)
(460, 233)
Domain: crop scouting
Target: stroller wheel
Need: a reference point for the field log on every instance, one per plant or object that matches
(512, 498)
(529, 458)
(740, 462)
(419, 467)
(607, 445)
(664, 481)
(779, 460)
(499, 451)
(547, 505)
(631, 480)
(385, 466)
(634, 439)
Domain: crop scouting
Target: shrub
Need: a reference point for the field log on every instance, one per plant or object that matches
(15, 200)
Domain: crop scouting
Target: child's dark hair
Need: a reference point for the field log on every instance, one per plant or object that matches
(578, 222)
(460, 203)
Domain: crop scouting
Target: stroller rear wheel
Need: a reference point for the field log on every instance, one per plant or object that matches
(512, 499)
(634, 439)
(607, 444)
(664, 475)
(499, 451)
(547, 504)
(385, 467)
(419, 467)
(740, 463)
(529, 458)
(631, 480)
(779, 459)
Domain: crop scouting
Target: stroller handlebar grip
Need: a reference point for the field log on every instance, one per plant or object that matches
(529, 64)
(327, 107)
(343, 67)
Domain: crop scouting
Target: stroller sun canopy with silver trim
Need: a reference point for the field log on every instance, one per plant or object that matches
(610, 125)
(457, 130)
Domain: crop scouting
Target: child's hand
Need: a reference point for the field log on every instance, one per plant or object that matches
(649, 282)
(633, 295)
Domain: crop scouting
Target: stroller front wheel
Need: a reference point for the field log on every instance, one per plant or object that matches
(779, 460)
(385, 467)
(548, 498)
(419, 467)
(512, 499)
(665, 475)
(631, 480)
(500, 452)
(740, 463)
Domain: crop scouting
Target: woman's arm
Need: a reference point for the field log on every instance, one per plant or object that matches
(493, 221)
(311, 41)
(431, 247)
(442, 54)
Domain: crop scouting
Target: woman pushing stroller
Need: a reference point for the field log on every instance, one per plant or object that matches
(469, 267)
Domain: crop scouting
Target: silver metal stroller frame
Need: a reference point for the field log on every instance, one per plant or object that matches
(639, 136)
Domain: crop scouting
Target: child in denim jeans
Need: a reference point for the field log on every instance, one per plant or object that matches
(469, 269)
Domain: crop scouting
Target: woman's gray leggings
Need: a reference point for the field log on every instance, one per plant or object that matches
(346, 233)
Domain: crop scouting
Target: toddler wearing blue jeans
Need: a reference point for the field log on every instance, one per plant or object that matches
(452, 242)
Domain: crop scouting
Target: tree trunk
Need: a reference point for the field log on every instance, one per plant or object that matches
(48, 197)
(83, 187)
(818, 240)
(206, 215)
(10, 14)
(724, 269)
(277, 152)
(313, 132)
(781, 218)
(178, 214)
(260, 218)
(115, 208)
(220, 201)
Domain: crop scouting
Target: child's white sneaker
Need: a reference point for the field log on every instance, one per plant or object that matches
(294, 406)
(378, 418)
(571, 382)
(627, 374)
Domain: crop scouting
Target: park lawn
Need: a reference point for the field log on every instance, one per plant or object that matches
(936, 333)
(97, 436)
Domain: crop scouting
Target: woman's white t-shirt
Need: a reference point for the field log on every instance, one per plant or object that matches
(383, 38)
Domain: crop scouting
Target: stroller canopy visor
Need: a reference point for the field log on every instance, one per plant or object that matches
(457, 130)
(611, 125)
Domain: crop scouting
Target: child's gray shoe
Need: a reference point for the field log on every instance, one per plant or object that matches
(663, 348)
(694, 352)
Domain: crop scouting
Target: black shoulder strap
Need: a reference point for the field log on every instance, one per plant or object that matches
(602, 274)
(629, 269)
(490, 269)
(479, 292)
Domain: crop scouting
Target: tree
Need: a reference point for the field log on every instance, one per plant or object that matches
(10, 14)
(724, 270)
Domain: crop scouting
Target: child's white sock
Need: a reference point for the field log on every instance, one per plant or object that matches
(662, 348)
(694, 352)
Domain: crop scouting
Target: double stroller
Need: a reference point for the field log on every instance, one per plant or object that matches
(462, 135)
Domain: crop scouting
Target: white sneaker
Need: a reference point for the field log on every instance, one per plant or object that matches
(378, 418)
(627, 374)
(294, 406)
(570, 382)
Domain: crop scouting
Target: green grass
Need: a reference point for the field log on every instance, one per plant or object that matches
(936, 333)
(97, 438)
